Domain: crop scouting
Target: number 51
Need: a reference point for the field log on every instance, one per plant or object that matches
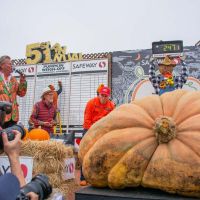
(35, 52)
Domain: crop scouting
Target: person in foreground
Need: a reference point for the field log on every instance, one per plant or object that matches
(96, 109)
(12, 182)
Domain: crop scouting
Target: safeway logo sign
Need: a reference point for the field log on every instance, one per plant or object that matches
(31, 69)
(27, 70)
(89, 65)
(102, 64)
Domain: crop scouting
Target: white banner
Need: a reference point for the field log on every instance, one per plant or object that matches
(53, 68)
(79, 85)
(92, 65)
(28, 70)
(26, 165)
(69, 170)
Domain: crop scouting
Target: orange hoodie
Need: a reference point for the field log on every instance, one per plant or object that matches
(95, 110)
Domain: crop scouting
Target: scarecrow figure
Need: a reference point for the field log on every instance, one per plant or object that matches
(166, 81)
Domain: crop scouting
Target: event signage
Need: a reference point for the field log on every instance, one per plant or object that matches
(79, 80)
(27, 70)
(172, 48)
(69, 170)
(44, 53)
(93, 65)
(26, 165)
(53, 68)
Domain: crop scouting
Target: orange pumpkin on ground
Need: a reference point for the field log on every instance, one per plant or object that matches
(153, 142)
(38, 134)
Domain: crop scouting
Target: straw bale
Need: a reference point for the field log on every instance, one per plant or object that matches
(46, 149)
(55, 179)
(68, 188)
(47, 166)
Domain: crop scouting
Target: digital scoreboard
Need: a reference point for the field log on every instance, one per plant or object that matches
(163, 48)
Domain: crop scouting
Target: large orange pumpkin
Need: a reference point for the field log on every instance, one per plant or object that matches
(38, 134)
(153, 142)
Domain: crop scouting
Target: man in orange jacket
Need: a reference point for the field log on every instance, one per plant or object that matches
(96, 109)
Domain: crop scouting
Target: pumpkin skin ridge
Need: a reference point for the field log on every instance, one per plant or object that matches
(92, 164)
(171, 101)
(178, 179)
(177, 157)
(147, 103)
(158, 173)
(193, 119)
(90, 140)
(134, 151)
(190, 146)
(191, 99)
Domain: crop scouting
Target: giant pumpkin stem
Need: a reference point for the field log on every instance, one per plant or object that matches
(165, 129)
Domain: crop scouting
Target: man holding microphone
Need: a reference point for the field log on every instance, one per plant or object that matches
(10, 88)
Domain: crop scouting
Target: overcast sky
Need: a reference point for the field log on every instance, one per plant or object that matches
(94, 26)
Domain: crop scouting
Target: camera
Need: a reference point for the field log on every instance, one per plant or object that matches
(10, 134)
(6, 108)
(39, 185)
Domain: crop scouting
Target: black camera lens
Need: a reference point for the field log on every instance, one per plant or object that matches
(10, 134)
(39, 185)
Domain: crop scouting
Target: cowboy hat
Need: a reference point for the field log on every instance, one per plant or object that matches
(167, 61)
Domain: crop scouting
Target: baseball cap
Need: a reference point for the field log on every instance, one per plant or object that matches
(105, 90)
(10, 188)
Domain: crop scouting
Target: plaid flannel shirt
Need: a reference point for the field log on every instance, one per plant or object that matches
(179, 81)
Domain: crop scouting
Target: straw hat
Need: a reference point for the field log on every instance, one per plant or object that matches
(167, 61)
(45, 91)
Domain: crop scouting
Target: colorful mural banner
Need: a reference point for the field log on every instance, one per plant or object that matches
(130, 73)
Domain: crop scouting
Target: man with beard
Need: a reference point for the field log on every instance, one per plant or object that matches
(44, 112)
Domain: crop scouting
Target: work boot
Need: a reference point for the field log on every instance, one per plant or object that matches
(83, 183)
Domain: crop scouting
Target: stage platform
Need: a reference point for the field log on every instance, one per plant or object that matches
(91, 193)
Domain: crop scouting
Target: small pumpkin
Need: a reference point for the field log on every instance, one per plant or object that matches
(153, 142)
(38, 134)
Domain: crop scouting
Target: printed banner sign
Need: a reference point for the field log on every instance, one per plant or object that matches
(69, 170)
(26, 165)
(93, 65)
(130, 73)
(53, 68)
(27, 70)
